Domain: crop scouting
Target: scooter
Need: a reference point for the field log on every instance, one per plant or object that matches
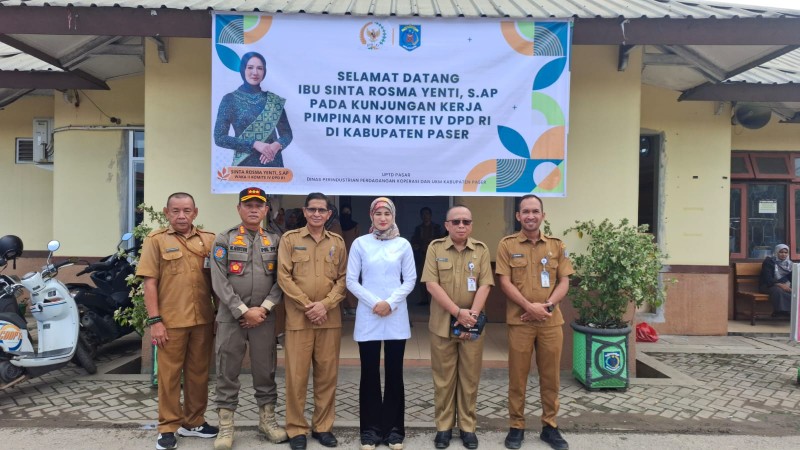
(57, 320)
(96, 305)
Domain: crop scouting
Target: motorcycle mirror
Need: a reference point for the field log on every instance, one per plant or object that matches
(127, 236)
(53, 245)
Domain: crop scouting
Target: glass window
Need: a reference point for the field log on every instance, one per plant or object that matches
(766, 218)
(771, 166)
(138, 144)
(740, 166)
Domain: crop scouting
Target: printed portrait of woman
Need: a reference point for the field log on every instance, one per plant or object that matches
(260, 126)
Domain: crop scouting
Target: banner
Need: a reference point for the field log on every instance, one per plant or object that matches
(389, 106)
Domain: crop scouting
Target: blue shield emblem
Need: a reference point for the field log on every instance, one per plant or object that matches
(410, 36)
(612, 361)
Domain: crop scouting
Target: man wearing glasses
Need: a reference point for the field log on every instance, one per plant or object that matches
(311, 271)
(458, 276)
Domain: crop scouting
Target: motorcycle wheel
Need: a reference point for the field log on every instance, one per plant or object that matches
(83, 357)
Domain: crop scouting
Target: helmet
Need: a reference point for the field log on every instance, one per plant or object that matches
(10, 247)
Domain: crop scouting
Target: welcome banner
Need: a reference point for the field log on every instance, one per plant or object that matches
(389, 106)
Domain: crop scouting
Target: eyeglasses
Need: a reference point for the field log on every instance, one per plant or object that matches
(316, 210)
(466, 222)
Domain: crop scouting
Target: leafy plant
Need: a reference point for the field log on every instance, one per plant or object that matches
(620, 267)
(136, 315)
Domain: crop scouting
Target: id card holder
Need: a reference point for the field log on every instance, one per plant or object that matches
(545, 279)
(472, 284)
(206, 263)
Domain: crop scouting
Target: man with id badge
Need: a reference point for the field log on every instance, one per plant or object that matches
(177, 294)
(458, 276)
(243, 269)
(312, 263)
(533, 271)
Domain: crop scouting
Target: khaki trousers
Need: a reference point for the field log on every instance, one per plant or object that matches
(231, 343)
(304, 348)
(456, 366)
(522, 342)
(187, 353)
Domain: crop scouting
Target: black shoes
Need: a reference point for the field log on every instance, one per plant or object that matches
(326, 438)
(298, 442)
(203, 431)
(166, 441)
(553, 437)
(442, 439)
(469, 439)
(515, 437)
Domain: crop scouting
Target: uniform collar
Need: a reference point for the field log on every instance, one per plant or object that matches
(171, 230)
(305, 232)
(522, 238)
(470, 244)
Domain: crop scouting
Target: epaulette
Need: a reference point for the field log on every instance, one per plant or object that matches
(481, 243)
(199, 230)
(552, 237)
(157, 232)
(295, 231)
(510, 236)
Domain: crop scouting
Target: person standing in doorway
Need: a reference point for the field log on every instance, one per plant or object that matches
(243, 275)
(384, 263)
(177, 295)
(311, 271)
(349, 233)
(458, 274)
(534, 271)
(424, 233)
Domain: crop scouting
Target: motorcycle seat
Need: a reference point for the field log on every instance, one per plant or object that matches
(15, 319)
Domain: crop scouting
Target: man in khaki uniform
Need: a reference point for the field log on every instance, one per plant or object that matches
(458, 275)
(534, 275)
(177, 294)
(311, 271)
(243, 275)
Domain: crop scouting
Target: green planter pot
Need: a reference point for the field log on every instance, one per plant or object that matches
(600, 356)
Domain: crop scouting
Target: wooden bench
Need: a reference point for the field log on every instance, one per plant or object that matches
(745, 289)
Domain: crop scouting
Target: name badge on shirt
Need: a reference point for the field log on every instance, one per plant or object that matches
(545, 279)
(472, 284)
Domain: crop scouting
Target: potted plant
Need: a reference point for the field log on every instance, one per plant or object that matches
(619, 270)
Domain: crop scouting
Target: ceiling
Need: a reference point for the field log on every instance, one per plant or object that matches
(708, 52)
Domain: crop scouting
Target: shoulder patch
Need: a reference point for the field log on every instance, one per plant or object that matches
(220, 252)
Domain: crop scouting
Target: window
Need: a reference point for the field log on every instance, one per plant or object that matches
(771, 165)
(135, 178)
(764, 204)
(24, 151)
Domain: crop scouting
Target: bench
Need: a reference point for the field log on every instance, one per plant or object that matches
(745, 290)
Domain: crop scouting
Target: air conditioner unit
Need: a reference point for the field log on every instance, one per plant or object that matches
(42, 139)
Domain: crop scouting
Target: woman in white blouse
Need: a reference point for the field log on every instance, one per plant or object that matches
(385, 263)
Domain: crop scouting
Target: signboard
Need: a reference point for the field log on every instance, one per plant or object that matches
(390, 106)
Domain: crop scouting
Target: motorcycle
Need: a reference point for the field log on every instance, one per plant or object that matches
(96, 305)
(53, 308)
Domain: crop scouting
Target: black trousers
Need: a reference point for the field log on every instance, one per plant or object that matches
(382, 417)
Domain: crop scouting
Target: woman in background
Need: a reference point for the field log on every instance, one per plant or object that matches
(776, 280)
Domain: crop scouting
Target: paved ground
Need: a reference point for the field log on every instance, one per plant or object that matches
(125, 439)
(733, 385)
